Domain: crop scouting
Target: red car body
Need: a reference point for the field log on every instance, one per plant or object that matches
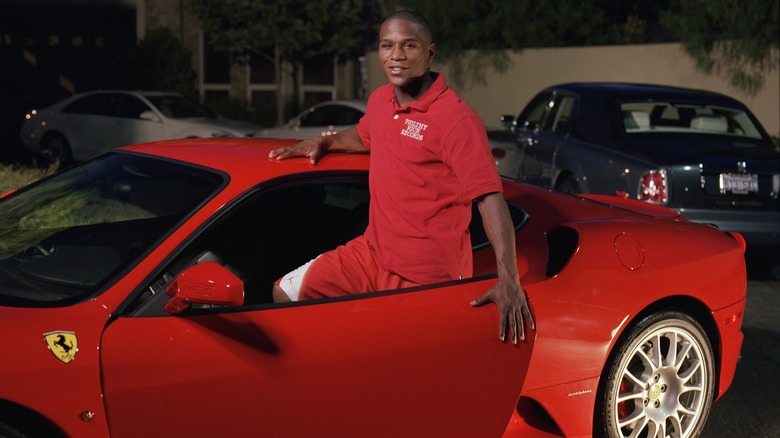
(419, 362)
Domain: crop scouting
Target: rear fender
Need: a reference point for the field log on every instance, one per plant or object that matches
(636, 205)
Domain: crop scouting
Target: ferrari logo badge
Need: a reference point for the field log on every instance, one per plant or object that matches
(63, 345)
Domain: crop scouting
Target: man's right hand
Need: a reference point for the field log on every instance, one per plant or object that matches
(347, 140)
(314, 148)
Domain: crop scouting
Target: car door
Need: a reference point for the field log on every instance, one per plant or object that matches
(551, 118)
(89, 120)
(393, 363)
(103, 121)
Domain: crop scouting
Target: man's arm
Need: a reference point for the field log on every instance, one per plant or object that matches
(347, 140)
(507, 293)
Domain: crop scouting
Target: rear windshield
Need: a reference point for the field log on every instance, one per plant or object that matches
(661, 117)
(69, 235)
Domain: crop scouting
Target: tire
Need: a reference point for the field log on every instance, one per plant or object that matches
(648, 389)
(7, 431)
(55, 148)
(568, 185)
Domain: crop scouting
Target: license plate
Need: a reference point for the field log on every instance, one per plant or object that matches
(738, 183)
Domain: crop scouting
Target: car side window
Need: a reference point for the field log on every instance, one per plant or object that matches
(92, 104)
(562, 115)
(533, 115)
(335, 115)
(270, 233)
(127, 106)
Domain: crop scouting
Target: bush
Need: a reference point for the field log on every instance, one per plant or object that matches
(13, 177)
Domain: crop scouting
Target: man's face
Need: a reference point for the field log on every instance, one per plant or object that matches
(405, 51)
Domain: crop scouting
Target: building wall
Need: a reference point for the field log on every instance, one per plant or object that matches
(534, 69)
(176, 16)
(50, 50)
(504, 93)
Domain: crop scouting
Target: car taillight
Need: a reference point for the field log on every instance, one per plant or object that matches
(498, 153)
(653, 187)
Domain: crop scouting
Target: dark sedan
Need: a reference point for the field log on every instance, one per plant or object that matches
(701, 153)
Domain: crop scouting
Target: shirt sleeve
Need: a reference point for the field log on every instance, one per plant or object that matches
(373, 111)
(468, 155)
(364, 131)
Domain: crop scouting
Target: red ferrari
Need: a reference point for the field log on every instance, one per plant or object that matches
(135, 301)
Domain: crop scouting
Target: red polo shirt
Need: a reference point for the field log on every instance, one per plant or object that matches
(429, 160)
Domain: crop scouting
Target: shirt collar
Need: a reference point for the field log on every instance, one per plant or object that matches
(422, 104)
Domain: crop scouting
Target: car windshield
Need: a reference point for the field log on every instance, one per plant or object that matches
(664, 117)
(178, 107)
(65, 237)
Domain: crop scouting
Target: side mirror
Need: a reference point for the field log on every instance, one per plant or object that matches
(507, 121)
(150, 116)
(206, 283)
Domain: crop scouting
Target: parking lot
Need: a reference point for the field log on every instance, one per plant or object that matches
(750, 407)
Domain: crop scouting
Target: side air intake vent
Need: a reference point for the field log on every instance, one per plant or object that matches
(561, 245)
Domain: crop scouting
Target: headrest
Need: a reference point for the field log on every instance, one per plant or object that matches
(642, 119)
(710, 123)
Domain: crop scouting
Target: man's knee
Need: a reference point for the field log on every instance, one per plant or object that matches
(279, 295)
(291, 284)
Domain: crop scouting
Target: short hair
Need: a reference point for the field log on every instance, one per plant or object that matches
(413, 17)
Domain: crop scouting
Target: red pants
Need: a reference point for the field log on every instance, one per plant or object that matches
(349, 269)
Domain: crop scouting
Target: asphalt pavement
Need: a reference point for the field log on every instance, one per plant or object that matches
(751, 407)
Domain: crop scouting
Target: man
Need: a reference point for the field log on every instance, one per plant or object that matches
(430, 160)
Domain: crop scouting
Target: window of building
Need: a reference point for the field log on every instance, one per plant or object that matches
(216, 66)
(261, 70)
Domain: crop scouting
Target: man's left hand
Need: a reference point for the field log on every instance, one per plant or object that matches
(512, 308)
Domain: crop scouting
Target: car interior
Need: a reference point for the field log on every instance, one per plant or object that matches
(278, 229)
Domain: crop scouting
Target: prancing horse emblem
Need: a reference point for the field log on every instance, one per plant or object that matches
(62, 344)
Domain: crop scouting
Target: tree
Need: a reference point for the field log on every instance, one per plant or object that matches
(474, 35)
(738, 38)
(284, 31)
(160, 62)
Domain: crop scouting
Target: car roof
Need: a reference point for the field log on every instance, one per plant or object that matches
(629, 91)
(245, 160)
(354, 103)
(133, 92)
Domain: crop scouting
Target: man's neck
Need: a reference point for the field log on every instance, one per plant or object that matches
(415, 90)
